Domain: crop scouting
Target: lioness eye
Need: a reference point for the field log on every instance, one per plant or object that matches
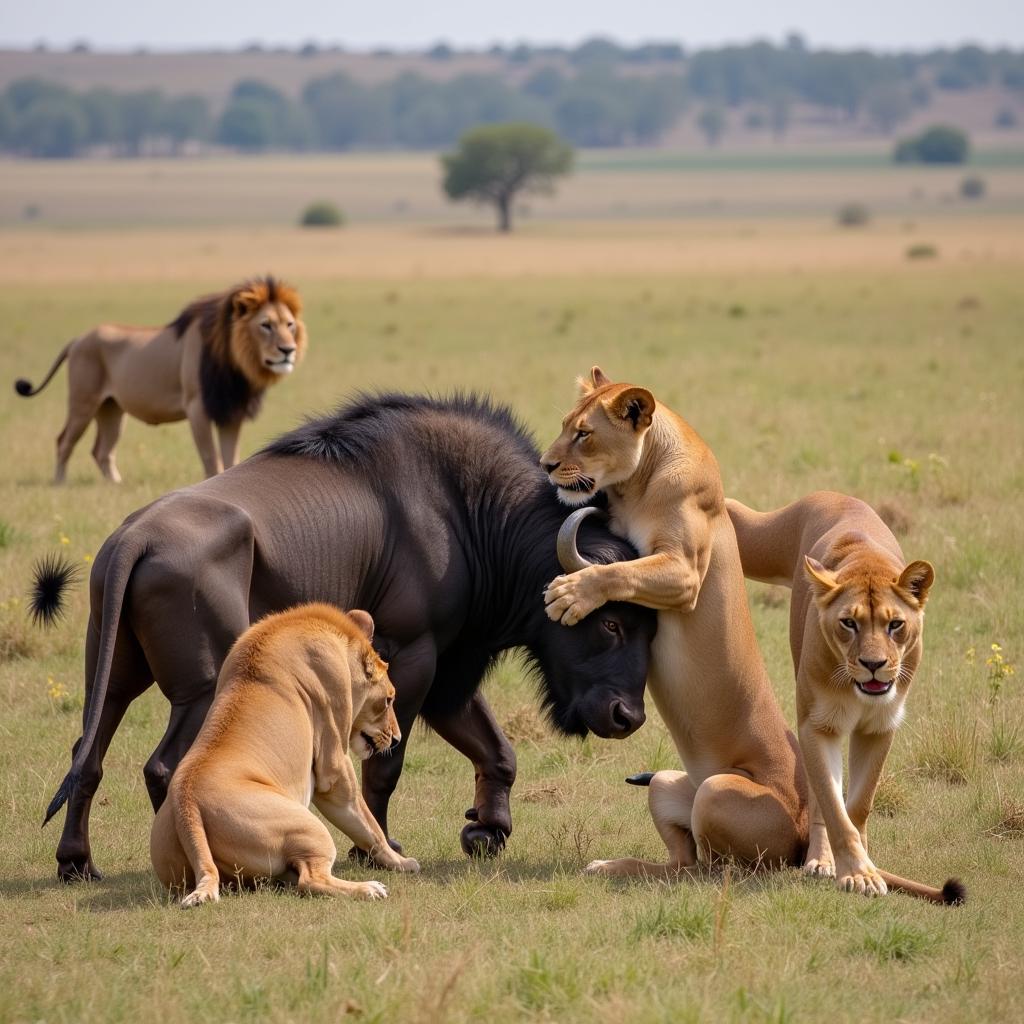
(581, 435)
(896, 625)
(850, 624)
(265, 325)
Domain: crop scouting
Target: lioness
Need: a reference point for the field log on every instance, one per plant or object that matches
(856, 634)
(211, 365)
(298, 690)
(743, 793)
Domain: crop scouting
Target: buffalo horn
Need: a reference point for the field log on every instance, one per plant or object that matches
(569, 556)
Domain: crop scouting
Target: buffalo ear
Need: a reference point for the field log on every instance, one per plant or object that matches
(635, 406)
(917, 578)
(822, 580)
(364, 620)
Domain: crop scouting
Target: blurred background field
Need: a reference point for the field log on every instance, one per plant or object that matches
(882, 358)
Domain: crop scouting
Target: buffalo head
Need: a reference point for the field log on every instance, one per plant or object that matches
(594, 673)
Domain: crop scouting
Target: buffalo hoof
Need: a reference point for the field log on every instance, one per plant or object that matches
(79, 869)
(482, 840)
(362, 857)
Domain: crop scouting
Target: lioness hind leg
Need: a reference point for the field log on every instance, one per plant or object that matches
(735, 817)
(670, 800)
(315, 878)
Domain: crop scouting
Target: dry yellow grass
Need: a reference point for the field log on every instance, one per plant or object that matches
(402, 252)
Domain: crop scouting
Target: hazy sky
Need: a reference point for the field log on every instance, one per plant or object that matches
(125, 24)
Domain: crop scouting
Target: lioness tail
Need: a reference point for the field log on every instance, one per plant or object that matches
(24, 387)
(952, 894)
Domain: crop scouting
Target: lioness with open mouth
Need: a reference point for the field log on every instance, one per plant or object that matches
(297, 692)
(856, 633)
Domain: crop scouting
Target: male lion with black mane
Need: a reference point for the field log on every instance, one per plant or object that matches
(210, 365)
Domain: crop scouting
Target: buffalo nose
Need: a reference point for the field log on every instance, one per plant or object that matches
(550, 467)
(624, 719)
(871, 666)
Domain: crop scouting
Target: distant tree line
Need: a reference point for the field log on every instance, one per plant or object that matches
(598, 94)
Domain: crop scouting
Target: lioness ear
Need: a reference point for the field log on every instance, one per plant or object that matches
(917, 578)
(364, 620)
(635, 405)
(598, 376)
(822, 581)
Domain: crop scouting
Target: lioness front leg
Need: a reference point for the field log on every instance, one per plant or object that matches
(668, 579)
(823, 760)
(868, 752)
(819, 860)
(344, 807)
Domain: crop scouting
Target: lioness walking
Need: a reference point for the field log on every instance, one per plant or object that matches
(743, 793)
(856, 630)
(210, 365)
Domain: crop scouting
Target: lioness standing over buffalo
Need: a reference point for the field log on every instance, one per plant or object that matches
(210, 365)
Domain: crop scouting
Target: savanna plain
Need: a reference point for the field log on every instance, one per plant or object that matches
(884, 361)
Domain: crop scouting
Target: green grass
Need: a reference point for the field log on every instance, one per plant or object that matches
(822, 378)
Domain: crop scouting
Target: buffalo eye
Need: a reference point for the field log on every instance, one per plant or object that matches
(611, 626)
(896, 625)
(850, 624)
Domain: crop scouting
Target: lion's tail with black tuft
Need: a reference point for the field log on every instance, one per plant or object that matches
(952, 894)
(24, 387)
(52, 575)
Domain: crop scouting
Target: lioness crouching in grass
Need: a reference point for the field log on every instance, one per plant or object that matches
(856, 626)
(743, 793)
(298, 690)
(210, 365)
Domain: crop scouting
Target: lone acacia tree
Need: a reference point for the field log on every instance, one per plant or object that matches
(494, 162)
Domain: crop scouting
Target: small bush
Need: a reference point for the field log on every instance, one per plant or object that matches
(972, 187)
(322, 214)
(940, 144)
(922, 251)
(852, 215)
(1005, 119)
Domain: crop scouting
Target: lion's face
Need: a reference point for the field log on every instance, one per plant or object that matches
(602, 439)
(871, 621)
(268, 337)
(374, 727)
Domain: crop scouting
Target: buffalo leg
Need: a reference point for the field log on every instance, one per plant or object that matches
(412, 672)
(182, 729)
(474, 732)
(129, 678)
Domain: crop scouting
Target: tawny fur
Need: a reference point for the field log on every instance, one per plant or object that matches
(210, 365)
(298, 691)
(743, 792)
(856, 634)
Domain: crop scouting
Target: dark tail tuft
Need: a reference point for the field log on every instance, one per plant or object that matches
(954, 893)
(51, 576)
(23, 387)
(640, 779)
(67, 787)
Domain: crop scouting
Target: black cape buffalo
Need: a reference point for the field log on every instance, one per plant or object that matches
(434, 516)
